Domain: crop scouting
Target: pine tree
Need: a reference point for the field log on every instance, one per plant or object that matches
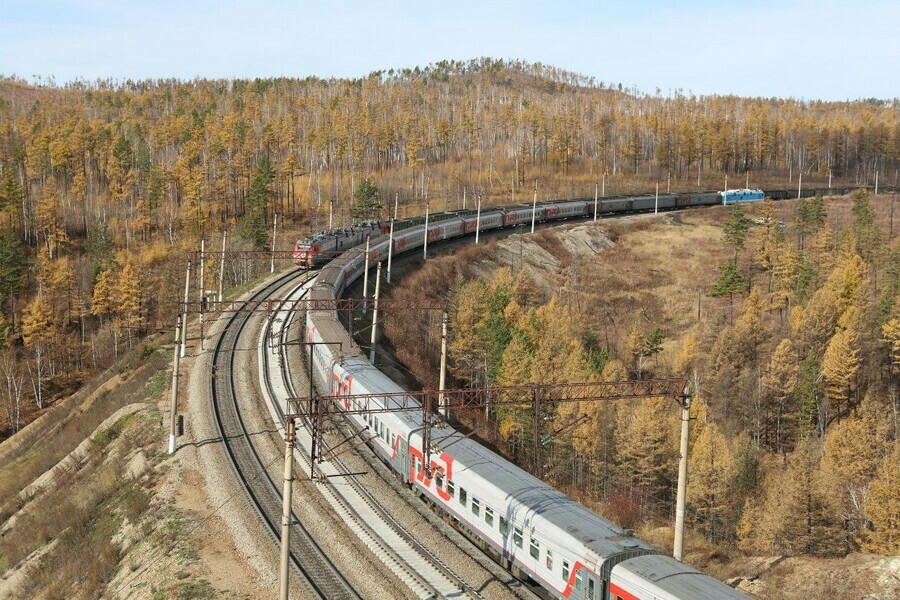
(12, 263)
(883, 506)
(252, 226)
(734, 232)
(368, 204)
(729, 283)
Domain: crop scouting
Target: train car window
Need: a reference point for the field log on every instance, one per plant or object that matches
(439, 480)
(476, 506)
(565, 571)
(504, 526)
(549, 559)
(579, 581)
(450, 488)
(489, 515)
(462, 496)
(393, 440)
(535, 549)
(590, 593)
(517, 536)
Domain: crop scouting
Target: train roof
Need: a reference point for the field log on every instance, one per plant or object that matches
(668, 579)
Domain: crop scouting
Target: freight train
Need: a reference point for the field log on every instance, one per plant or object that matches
(534, 530)
(324, 246)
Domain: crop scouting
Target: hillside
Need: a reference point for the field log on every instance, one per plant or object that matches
(104, 185)
(783, 316)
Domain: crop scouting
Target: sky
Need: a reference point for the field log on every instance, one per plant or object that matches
(809, 49)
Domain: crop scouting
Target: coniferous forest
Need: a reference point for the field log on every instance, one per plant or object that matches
(105, 185)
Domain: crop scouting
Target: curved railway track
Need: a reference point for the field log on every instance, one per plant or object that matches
(322, 578)
(424, 571)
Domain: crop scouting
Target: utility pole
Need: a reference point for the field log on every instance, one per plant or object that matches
(187, 295)
(284, 572)
(425, 241)
(390, 250)
(222, 264)
(478, 222)
(274, 233)
(365, 277)
(173, 410)
(375, 315)
(534, 207)
(464, 197)
(396, 204)
(330, 214)
(682, 479)
(800, 185)
(656, 201)
(669, 182)
(595, 202)
(725, 193)
(202, 287)
(442, 405)
(829, 179)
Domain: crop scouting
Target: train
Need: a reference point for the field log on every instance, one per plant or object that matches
(531, 528)
(322, 247)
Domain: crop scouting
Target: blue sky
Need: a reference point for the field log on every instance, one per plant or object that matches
(798, 48)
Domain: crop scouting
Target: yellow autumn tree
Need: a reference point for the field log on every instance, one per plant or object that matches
(103, 301)
(712, 470)
(883, 506)
(839, 366)
(779, 382)
(853, 449)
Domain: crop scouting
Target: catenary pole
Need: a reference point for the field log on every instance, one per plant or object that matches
(274, 234)
(187, 296)
(678, 552)
(442, 384)
(604, 185)
(375, 314)
(390, 250)
(534, 207)
(202, 287)
(656, 201)
(284, 571)
(478, 221)
(173, 409)
(425, 241)
(366, 276)
(396, 204)
(595, 202)
(800, 185)
(222, 264)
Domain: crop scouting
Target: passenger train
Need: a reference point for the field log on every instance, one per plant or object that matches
(534, 530)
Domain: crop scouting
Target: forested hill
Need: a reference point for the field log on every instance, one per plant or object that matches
(104, 184)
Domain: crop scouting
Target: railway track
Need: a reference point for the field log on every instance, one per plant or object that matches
(425, 574)
(322, 579)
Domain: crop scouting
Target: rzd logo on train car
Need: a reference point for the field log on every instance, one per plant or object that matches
(340, 386)
(417, 470)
